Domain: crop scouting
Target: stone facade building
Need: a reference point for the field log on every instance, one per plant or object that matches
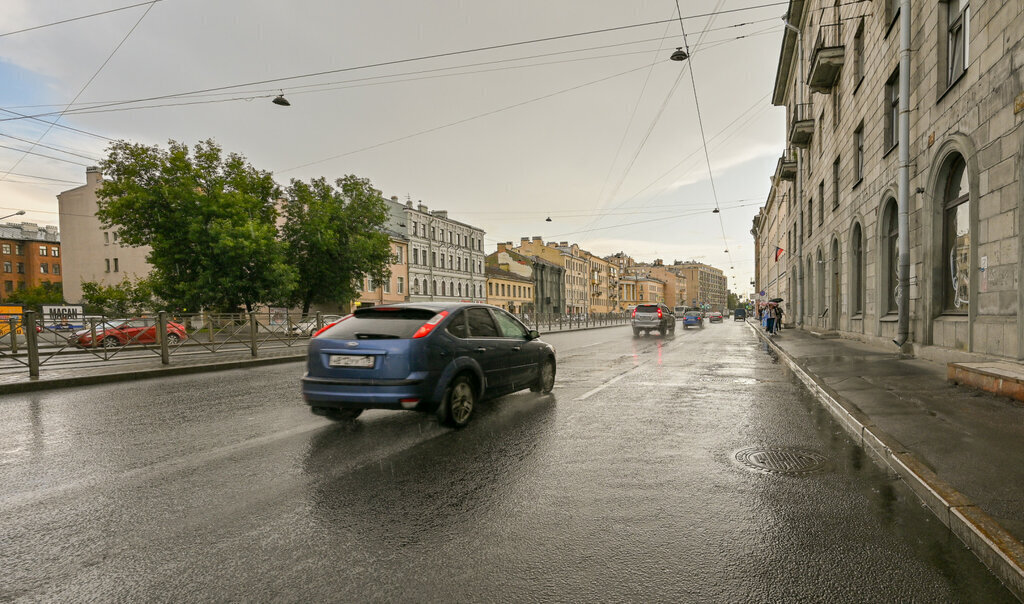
(705, 285)
(548, 278)
(828, 236)
(446, 257)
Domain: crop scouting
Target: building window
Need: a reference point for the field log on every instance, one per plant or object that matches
(857, 271)
(9, 286)
(44, 268)
(8, 267)
(106, 238)
(835, 106)
(416, 286)
(7, 248)
(21, 268)
(55, 251)
(821, 203)
(433, 258)
(858, 154)
(451, 261)
(890, 249)
(415, 256)
(43, 250)
(21, 285)
(398, 255)
(56, 269)
(107, 260)
(892, 111)
(956, 243)
(401, 285)
(18, 251)
(892, 10)
(387, 286)
(835, 184)
(858, 56)
(490, 288)
(434, 289)
(958, 15)
(116, 268)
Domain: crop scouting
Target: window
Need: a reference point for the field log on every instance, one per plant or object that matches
(958, 15)
(8, 267)
(415, 256)
(114, 237)
(7, 248)
(433, 291)
(858, 154)
(890, 249)
(387, 286)
(451, 261)
(503, 289)
(9, 286)
(956, 244)
(108, 264)
(21, 285)
(835, 106)
(480, 323)
(416, 286)
(401, 285)
(433, 258)
(56, 269)
(398, 255)
(106, 238)
(18, 250)
(857, 271)
(892, 111)
(55, 251)
(116, 269)
(892, 10)
(508, 326)
(858, 56)
(490, 288)
(821, 203)
(835, 184)
(43, 250)
(44, 269)
(21, 268)
(810, 217)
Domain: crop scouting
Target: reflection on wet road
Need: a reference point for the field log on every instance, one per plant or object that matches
(623, 484)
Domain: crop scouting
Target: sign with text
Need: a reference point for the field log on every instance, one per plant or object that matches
(63, 317)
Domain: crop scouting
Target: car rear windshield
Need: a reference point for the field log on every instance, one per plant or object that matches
(647, 308)
(693, 313)
(380, 324)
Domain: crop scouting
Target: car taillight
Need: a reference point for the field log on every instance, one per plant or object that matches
(332, 324)
(634, 313)
(429, 326)
(659, 313)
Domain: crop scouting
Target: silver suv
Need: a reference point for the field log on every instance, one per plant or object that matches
(653, 317)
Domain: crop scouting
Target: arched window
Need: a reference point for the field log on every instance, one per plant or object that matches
(857, 271)
(415, 286)
(809, 288)
(434, 291)
(890, 256)
(956, 237)
(490, 288)
(460, 290)
(821, 273)
(444, 288)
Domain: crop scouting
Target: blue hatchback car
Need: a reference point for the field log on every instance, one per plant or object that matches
(431, 357)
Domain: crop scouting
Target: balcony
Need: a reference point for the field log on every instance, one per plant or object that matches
(801, 130)
(786, 168)
(827, 59)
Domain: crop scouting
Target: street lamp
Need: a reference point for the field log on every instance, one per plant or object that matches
(18, 213)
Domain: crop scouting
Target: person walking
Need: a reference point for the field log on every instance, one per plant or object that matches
(778, 317)
(770, 319)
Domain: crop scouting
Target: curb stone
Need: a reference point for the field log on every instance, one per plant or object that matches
(991, 543)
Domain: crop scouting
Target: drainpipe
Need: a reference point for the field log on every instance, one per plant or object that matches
(903, 190)
(798, 296)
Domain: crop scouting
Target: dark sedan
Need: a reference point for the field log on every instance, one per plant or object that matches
(430, 357)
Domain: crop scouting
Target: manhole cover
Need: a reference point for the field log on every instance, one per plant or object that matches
(781, 460)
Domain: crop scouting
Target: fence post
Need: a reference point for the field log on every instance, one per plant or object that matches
(252, 333)
(319, 322)
(287, 323)
(208, 323)
(32, 341)
(14, 335)
(161, 337)
(92, 330)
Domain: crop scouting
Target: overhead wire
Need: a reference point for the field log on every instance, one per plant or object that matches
(62, 21)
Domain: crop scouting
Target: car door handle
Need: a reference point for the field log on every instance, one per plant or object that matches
(517, 348)
(481, 349)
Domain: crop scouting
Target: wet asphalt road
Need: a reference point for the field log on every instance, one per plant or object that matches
(622, 485)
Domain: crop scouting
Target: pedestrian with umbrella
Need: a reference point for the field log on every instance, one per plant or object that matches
(778, 313)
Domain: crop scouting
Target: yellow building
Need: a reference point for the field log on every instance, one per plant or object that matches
(396, 288)
(570, 257)
(640, 289)
(508, 290)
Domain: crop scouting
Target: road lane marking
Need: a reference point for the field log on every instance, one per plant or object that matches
(606, 384)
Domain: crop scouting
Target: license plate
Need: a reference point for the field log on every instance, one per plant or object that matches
(350, 360)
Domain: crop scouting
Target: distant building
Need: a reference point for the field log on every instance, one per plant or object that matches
(445, 256)
(508, 290)
(395, 288)
(547, 278)
(31, 256)
(90, 252)
(705, 284)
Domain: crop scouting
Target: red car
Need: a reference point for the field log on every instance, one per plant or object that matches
(112, 334)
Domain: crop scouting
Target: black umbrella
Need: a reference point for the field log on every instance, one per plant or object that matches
(776, 300)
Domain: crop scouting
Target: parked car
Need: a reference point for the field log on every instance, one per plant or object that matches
(739, 314)
(715, 317)
(309, 325)
(430, 357)
(652, 317)
(693, 318)
(111, 334)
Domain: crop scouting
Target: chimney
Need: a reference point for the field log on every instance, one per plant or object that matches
(408, 204)
(523, 240)
(420, 206)
(93, 175)
(538, 238)
(502, 246)
(440, 213)
(394, 198)
(563, 243)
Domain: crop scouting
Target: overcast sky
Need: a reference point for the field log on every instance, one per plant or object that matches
(599, 131)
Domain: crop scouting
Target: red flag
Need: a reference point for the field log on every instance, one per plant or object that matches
(778, 252)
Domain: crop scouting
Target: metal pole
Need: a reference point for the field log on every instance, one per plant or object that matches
(161, 337)
(32, 340)
(252, 334)
(14, 334)
(903, 182)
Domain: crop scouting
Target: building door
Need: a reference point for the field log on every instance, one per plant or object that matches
(836, 306)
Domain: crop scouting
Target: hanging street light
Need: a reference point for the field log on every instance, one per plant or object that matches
(280, 100)
(679, 54)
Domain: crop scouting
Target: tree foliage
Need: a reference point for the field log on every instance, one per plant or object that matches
(121, 300)
(34, 298)
(209, 220)
(334, 237)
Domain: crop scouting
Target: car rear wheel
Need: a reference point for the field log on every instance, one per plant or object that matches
(546, 382)
(111, 342)
(172, 338)
(458, 403)
(636, 332)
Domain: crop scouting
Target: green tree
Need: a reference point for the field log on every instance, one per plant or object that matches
(733, 301)
(121, 300)
(334, 236)
(208, 219)
(33, 298)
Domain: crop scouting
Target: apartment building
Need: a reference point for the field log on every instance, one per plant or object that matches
(850, 170)
(90, 252)
(672, 277)
(547, 278)
(573, 260)
(396, 287)
(31, 256)
(705, 285)
(509, 290)
(602, 281)
(446, 257)
(640, 289)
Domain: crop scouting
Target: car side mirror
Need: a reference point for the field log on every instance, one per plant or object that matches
(534, 334)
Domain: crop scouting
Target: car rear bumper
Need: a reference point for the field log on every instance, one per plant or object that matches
(649, 324)
(368, 393)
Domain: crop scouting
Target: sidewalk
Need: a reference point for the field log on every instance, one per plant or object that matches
(959, 449)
